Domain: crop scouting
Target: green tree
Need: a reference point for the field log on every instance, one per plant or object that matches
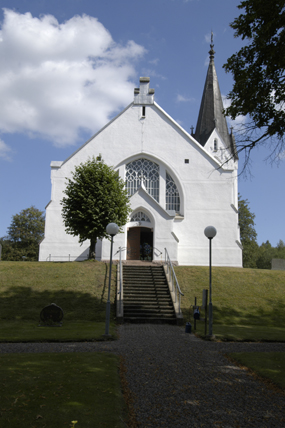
(24, 235)
(265, 254)
(95, 197)
(280, 250)
(258, 71)
(248, 234)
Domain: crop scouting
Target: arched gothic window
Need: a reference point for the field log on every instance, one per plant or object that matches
(143, 171)
(140, 216)
(172, 195)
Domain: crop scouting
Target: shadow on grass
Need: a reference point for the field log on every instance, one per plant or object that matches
(26, 303)
(84, 308)
(271, 315)
(51, 390)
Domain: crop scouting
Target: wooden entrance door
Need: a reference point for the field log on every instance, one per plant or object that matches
(133, 243)
(140, 243)
(146, 247)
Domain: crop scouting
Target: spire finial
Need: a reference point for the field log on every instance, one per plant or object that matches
(212, 52)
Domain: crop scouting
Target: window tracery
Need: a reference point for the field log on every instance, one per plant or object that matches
(140, 216)
(172, 195)
(143, 171)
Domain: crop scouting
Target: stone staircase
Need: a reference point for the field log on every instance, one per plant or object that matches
(147, 297)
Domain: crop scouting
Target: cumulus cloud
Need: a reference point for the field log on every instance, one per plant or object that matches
(58, 79)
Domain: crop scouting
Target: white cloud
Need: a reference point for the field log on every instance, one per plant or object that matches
(182, 99)
(208, 38)
(4, 150)
(239, 120)
(154, 61)
(152, 73)
(57, 79)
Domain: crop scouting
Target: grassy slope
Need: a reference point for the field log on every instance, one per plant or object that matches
(244, 300)
(80, 289)
(240, 296)
(251, 300)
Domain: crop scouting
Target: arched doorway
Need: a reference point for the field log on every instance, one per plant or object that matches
(140, 243)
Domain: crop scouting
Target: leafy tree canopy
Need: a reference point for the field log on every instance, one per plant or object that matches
(24, 235)
(258, 70)
(95, 197)
(255, 256)
(248, 234)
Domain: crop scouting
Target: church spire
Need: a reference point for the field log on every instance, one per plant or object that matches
(211, 110)
(211, 51)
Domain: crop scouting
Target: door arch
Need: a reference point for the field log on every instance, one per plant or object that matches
(140, 243)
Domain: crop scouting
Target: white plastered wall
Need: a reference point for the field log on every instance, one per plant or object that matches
(207, 191)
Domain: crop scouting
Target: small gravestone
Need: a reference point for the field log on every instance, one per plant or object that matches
(51, 316)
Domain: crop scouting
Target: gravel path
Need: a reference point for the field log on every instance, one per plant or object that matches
(180, 381)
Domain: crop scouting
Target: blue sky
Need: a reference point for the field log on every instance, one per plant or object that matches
(68, 66)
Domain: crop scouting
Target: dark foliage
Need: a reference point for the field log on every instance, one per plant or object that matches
(24, 236)
(258, 70)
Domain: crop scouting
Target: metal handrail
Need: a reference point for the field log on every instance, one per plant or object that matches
(173, 279)
(121, 274)
(68, 258)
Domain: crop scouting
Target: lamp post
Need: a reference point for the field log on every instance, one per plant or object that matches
(210, 232)
(112, 229)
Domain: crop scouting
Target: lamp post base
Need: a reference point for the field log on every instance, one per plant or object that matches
(210, 337)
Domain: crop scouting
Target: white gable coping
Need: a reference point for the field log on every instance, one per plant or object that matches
(229, 160)
(189, 136)
(142, 190)
(97, 133)
(58, 164)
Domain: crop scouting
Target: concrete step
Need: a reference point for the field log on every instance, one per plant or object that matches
(146, 295)
(149, 315)
(148, 307)
(142, 320)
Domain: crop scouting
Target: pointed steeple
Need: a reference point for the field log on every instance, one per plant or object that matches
(211, 110)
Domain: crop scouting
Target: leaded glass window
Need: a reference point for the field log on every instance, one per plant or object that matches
(172, 195)
(140, 216)
(143, 171)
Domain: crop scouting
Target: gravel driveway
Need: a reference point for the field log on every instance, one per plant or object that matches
(178, 380)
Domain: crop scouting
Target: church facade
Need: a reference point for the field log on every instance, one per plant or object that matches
(178, 184)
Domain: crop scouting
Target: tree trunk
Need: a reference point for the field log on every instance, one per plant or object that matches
(92, 247)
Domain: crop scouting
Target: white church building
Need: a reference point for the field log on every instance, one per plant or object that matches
(178, 184)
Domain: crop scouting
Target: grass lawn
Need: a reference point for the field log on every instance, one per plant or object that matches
(29, 331)
(51, 390)
(242, 333)
(248, 304)
(80, 289)
(268, 365)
